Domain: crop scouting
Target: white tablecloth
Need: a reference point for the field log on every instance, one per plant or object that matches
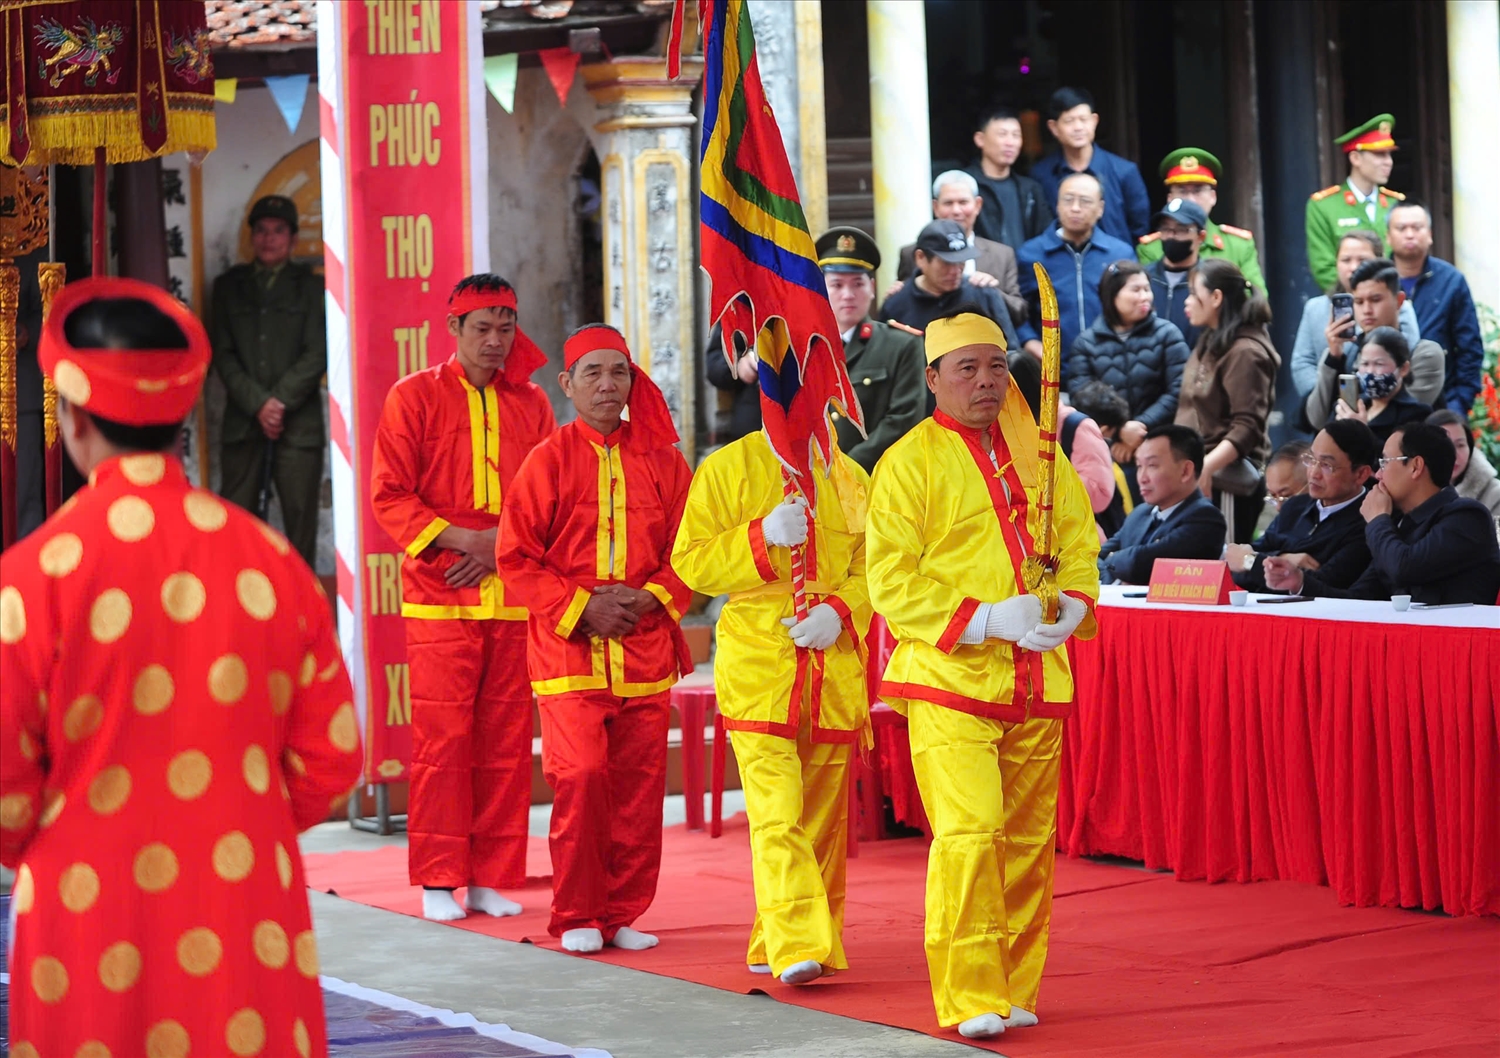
(1113, 595)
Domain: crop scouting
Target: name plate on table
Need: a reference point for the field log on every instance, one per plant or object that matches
(1184, 580)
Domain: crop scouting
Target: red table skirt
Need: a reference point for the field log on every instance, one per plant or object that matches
(1240, 747)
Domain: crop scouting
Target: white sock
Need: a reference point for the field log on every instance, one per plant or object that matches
(633, 939)
(1020, 1019)
(488, 902)
(760, 968)
(982, 1027)
(799, 973)
(439, 906)
(586, 941)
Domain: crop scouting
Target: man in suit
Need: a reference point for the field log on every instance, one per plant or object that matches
(1425, 539)
(955, 196)
(886, 364)
(1322, 530)
(1175, 521)
(268, 342)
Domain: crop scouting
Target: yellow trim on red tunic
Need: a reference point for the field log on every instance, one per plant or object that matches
(571, 615)
(665, 598)
(597, 680)
(490, 607)
(426, 536)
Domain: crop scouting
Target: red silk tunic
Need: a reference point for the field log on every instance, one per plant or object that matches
(587, 510)
(173, 710)
(445, 454)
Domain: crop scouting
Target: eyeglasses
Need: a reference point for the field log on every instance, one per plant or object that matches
(1276, 501)
(1327, 464)
(1386, 461)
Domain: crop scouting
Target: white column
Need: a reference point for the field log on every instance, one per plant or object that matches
(900, 145)
(1474, 89)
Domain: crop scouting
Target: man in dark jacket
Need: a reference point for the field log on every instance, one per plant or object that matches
(740, 381)
(1073, 122)
(268, 341)
(1321, 530)
(1441, 549)
(1175, 521)
(1075, 254)
(1183, 227)
(1016, 207)
(939, 285)
(1445, 307)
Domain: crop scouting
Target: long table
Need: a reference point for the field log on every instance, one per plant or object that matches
(1333, 742)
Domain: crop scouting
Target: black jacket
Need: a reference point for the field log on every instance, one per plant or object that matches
(1036, 211)
(1171, 302)
(1337, 543)
(1144, 365)
(744, 417)
(1194, 530)
(1442, 552)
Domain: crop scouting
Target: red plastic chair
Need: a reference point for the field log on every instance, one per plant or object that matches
(693, 698)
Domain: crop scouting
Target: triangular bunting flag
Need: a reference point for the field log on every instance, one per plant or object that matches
(290, 93)
(500, 79)
(561, 64)
(225, 88)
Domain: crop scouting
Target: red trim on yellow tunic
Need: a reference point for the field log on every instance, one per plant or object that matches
(961, 617)
(761, 555)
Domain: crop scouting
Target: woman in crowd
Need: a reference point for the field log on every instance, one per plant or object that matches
(1384, 402)
(1134, 350)
(1355, 248)
(1473, 476)
(1228, 387)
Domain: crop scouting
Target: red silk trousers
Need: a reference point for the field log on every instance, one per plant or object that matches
(471, 753)
(605, 758)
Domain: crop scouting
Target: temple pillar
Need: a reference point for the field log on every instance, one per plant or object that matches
(646, 159)
(900, 143)
(1474, 89)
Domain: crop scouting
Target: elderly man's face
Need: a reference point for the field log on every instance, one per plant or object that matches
(1080, 204)
(970, 384)
(955, 203)
(599, 385)
(940, 276)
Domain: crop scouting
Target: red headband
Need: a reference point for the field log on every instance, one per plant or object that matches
(650, 418)
(133, 387)
(525, 355)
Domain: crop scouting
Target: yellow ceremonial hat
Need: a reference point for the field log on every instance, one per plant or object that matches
(955, 332)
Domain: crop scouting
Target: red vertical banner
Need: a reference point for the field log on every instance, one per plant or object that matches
(402, 115)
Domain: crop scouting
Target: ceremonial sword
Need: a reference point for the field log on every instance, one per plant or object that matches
(1039, 570)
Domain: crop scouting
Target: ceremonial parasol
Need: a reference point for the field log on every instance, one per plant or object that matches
(96, 82)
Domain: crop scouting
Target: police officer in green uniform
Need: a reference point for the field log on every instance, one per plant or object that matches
(1362, 201)
(268, 342)
(1192, 173)
(886, 363)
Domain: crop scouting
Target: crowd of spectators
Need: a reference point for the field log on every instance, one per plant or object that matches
(1169, 367)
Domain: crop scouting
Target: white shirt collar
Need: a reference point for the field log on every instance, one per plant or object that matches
(849, 334)
(1325, 513)
(1358, 197)
(1163, 513)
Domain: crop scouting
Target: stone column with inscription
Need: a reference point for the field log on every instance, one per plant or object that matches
(646, 151)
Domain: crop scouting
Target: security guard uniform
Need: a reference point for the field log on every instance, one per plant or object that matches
(1335, 211)
(1193, 165)
(885, 363)
(269, 341)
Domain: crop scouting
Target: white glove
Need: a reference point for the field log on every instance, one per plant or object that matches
(786, 526)
(1070, 613)
(819, 631)
(1008, 620)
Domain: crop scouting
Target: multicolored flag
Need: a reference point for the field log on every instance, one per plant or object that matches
(767, 288)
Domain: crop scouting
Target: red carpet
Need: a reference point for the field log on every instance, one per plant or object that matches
(1141, 964)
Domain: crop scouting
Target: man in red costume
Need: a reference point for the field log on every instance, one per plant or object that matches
(450, 440)
(173, 711)
(587, 540)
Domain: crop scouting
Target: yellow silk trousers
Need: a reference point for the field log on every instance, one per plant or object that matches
(797, 800)
(990, 790)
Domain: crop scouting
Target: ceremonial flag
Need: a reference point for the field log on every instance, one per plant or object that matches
(767, 288)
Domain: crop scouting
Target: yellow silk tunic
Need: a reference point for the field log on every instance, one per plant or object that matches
(761, 676)
(944, 535)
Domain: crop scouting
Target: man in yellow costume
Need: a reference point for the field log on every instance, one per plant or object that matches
(792, 693)
(979, 677)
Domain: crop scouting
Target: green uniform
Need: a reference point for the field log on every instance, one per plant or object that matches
(1333, 213)
(1224, 240)
(268, 341)
(886, 366)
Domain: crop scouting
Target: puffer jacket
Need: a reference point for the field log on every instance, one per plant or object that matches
(1144, 365)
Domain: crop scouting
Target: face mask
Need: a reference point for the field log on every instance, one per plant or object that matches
(1177, 250)
(1378, 387)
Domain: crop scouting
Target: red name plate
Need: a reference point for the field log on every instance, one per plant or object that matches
(1184, 580)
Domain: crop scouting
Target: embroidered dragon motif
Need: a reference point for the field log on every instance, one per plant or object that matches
(86, 47)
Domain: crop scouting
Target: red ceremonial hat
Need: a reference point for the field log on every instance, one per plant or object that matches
(650, 419)
(133, 387)
(525, 355)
